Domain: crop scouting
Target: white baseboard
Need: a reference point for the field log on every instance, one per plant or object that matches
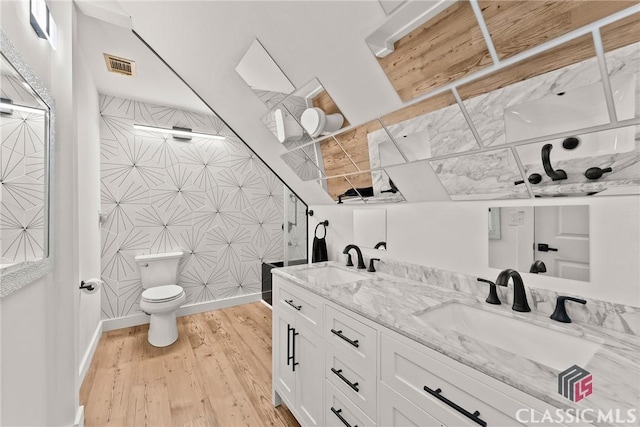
(85, 363)
(79, 421)
(185, 310)
(266, 304)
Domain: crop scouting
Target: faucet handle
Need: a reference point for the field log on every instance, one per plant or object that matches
(371, 268)
(493, 294)
(560, 312)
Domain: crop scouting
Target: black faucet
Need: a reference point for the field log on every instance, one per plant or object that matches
(538, 267)
(519, 296)
(560, 313)
(358, 252)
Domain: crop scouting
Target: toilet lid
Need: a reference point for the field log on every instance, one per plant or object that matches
(313, 120)
(162, 293)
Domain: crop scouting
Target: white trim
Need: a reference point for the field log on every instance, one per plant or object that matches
(604, 74)
(85, 363)
(267, 304)
(485, 31)
(142, 319)
(79, 420)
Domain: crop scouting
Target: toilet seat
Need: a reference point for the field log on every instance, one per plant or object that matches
(313, 120)
(159, 294)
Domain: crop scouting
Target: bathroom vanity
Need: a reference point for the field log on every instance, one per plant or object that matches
(356, 348)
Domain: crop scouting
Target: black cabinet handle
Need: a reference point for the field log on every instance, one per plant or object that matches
(289, 357)
(475, 416)
(290, 302)
(293, 352)
(543, 247)
(555, 175)
(349, 383)
(339, 333)
(337, 414)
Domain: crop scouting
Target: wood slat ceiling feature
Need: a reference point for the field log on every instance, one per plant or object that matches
(356, 145)
(621, 33)
(516, 26)
(444, 49)
(334, 158)
(421, 108)
(568, 53)
(324, 102)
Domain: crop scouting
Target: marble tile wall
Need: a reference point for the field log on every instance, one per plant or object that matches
(617, 317)
(22, 173)
(215, 200)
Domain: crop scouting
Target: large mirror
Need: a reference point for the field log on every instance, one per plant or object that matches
(260, 72)
(370, 228)
(548, 240)
(26, 123)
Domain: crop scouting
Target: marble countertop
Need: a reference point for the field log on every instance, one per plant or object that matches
(394, 302)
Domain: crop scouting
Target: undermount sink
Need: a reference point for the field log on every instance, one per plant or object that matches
(330, 274)
(543, 345)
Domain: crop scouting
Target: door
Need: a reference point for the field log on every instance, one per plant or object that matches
(309, 377)
(284, 375)
(565, 232)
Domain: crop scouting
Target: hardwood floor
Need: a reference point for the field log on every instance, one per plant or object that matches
(218, 373)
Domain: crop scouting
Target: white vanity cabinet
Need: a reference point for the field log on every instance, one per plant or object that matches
(334, 367)
(298, 352)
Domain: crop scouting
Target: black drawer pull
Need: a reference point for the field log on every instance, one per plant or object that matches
(290, 302)
(337, 413)
(339, 333)
(289, 357)
(349, 383)
(475, 417)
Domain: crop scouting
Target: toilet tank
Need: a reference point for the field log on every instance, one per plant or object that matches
(159, 269)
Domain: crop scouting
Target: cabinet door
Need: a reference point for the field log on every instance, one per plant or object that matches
(309, 351)
(395, 411)
(284, 376)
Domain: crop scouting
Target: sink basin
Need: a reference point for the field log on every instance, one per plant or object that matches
(330, 274)
(544, 345)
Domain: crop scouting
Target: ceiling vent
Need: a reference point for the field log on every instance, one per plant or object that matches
(119, 65)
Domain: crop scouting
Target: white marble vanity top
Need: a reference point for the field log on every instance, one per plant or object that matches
(394, 301)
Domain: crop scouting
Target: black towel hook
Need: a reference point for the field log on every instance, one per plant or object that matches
(325, 224)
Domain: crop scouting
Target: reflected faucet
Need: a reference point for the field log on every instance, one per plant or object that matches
(358, 252)
(538, 267)
(519, 296)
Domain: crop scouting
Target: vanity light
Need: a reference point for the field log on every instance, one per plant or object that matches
(179, 132)
(6, 105)
(42, 22)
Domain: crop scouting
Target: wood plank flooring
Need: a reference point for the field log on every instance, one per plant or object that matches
(218, 373)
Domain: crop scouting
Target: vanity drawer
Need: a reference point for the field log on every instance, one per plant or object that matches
(352, 337)
(396, 411)
(300, 303)
(338, 405)
(352, 380)
(408, 371)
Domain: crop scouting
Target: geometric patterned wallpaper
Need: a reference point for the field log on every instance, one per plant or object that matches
(22, 172)
(215, 200)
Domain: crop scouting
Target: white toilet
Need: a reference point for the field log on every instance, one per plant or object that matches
(316, 122)
(287, 129)
(161, 297)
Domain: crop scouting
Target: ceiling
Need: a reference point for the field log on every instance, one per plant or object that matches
(204, 40)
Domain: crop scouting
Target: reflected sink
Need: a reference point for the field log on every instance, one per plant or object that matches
(330, 274)
(544, 345)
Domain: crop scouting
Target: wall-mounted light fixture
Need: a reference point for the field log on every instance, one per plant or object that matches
(179, 132)
(7, 107)
(43, 23)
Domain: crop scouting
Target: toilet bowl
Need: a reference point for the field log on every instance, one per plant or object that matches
(161, 297)
(287, 129)
(316, 122)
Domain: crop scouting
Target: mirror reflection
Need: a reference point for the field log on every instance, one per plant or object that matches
(362, 187)
(549, 240)
(261, 73)
(24, 151)
(370, 228)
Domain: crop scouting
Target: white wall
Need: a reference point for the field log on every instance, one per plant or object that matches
(86, 111)
(453, 236)
(38, 323)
